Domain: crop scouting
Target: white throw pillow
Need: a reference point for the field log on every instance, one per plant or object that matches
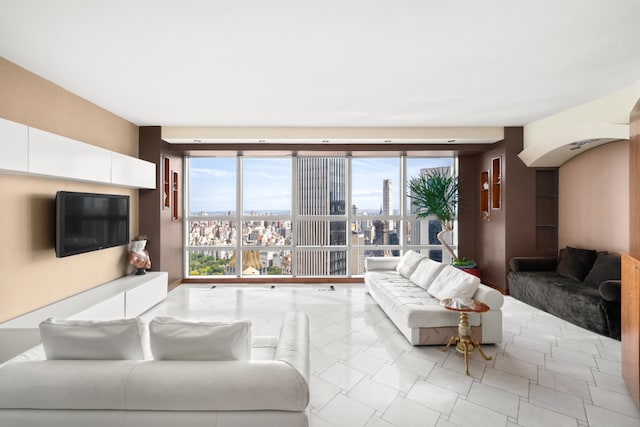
(426, 272)
(408, 263)
(96, 340)
(454, 283)
(175, 339)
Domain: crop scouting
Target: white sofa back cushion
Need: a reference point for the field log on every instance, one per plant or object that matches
(454, 283)
(94, 340)
(408, 263)
(426, 272)
(175, 339)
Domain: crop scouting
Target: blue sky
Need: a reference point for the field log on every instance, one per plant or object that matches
(267, 182)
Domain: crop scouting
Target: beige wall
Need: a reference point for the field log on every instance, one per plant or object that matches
(594, 199)
(30, 274)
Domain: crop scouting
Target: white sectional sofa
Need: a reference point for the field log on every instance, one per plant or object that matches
(271, 389)
(409, 290)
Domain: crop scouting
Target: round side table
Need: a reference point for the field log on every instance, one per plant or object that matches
(464, 343)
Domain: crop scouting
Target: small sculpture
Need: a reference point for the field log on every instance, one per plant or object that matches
(139, 256)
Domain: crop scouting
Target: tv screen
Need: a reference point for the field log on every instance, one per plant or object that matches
(87, 222)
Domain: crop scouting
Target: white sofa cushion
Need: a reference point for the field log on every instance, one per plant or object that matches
(426, 272)
(408, 263)
(452, 282)
(93, 340)
(175, 339)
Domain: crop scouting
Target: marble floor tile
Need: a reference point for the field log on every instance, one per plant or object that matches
(417, 365)
(322, 392)
(620, 403)
(373, 394)
(321, 361)
(545, 372)
(365, 362)
(343, 411)
(535, 416)
(342, 376)
(601, 417)
(466, 413)
(396, 378)
(556, 401)
(433, 396)
(494, 398)
(564, 383)
(516, 367)
(506, 381)
(451, 380)
(407, 413)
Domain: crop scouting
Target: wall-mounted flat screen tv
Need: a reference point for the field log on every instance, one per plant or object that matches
(88, 222)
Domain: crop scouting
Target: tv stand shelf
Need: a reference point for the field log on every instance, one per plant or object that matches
(128, 296)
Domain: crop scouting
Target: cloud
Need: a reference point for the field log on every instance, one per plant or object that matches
(207, 172)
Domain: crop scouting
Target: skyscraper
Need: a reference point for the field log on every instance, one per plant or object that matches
(387, 201)
(321, 191)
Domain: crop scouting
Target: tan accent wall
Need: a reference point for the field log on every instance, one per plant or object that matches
(634, 179)
(30, 274)
(593, 209)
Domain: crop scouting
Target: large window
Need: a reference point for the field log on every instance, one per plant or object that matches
(303, 216)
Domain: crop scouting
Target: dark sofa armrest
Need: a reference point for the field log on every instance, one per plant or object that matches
(610, 290)
(533, 263)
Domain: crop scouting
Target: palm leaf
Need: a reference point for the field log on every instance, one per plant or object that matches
(435, 193)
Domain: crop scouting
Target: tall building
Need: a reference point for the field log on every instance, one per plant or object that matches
(387, 201)
(321, 191)
(357, 257)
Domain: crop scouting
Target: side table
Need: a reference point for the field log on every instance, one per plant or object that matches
(464, 343)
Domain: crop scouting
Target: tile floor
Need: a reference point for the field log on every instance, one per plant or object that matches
(546, 372)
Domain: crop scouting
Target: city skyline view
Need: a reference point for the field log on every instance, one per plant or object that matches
(212, 183)
(319, 231)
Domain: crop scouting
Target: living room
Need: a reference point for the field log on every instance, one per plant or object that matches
(595, 209)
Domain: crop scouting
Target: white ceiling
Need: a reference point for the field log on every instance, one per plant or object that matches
(328, 62)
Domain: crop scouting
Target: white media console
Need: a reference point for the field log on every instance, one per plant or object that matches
(128, 296)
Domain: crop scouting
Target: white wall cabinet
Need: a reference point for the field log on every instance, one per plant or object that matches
(55, 155)
(131, 172)
(14, 140)
(25, 149)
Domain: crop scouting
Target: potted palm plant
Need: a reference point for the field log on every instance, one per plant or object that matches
(436, 194)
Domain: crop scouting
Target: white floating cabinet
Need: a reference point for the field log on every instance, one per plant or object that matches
(55, 155)
(34, 151)
(14, 140)
(131, 172)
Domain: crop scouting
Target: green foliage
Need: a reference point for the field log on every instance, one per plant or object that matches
(206, 265)
(464, 262)
(274, 271)
(435, 193)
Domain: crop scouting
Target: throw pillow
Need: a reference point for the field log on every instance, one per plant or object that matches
(175, 339)
(606, 267)
(576, 263)
(96, 340)
(454, 283)
(408, 263)
(425, 272)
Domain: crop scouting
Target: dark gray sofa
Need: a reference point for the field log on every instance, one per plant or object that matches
(580, 286)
